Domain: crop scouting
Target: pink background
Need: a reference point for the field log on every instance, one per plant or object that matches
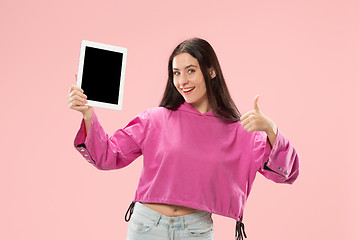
(302, 57)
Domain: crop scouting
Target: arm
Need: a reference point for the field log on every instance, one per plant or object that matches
(271, 132)
(95, 145)
(279, 163)
(110, 152)
(87, 118)
(278, 158)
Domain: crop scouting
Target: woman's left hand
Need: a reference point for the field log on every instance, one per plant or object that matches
(254, 120)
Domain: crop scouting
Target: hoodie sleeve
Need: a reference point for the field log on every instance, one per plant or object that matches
(279, 163)
(112, 152)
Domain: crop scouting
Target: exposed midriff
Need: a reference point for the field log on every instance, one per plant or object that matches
(170, 210)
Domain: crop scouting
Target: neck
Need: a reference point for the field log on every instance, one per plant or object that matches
(203, 107)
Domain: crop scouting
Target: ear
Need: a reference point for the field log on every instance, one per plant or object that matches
(212, 73)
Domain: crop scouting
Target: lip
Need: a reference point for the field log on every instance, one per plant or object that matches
(186, 93)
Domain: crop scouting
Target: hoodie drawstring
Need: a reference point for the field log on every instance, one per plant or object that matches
(130, 209)
(240, 230)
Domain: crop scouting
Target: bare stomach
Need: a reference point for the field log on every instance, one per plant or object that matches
(170, 210)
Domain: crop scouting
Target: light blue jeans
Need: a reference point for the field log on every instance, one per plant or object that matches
(147, 224)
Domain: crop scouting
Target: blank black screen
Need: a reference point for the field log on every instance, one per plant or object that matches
(101, 75)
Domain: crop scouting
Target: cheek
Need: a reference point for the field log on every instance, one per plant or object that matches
(175, 82)
(201, 82)
(198, 79)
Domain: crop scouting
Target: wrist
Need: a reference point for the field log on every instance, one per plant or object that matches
(271, 129)
(88, 114)
(271, 132)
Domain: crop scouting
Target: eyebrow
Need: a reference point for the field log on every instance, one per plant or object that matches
(187, 67)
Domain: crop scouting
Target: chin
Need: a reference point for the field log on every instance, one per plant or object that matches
(188, 101)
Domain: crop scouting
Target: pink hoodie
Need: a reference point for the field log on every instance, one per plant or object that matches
(191, 159)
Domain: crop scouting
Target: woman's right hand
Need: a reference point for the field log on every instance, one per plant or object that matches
(77, 100)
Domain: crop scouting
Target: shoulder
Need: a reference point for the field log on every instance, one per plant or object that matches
(155, 113)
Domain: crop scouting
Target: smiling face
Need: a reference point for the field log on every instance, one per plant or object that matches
(190, 82)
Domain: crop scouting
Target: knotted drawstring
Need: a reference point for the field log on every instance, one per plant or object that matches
(240, 230)
(130, 209)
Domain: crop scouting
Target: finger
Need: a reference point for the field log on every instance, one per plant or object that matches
(76, 103)
(246, 115)
(76, 107)
(251, 128)
(247, 120)
(256, 107)
(75, 87)
(247, 127)
(77, 98)
(77, 93)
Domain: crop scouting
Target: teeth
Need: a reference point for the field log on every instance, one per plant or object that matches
(188, 89)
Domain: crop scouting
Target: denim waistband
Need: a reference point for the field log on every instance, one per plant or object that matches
(142, 210)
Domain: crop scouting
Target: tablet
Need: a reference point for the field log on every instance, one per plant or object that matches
(101, 74)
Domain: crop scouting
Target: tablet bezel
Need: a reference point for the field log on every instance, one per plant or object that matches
(122, 50)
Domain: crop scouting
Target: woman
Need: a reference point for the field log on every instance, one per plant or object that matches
(200, 156)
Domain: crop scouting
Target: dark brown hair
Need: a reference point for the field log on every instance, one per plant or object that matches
(218, 94)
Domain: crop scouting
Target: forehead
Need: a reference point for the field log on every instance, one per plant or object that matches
(183, 60)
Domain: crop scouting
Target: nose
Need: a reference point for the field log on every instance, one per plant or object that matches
(183, 80)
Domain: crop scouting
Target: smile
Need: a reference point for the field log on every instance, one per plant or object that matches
(187, 90)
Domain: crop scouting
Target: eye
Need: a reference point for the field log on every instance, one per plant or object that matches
(176, 73)
(191, 70)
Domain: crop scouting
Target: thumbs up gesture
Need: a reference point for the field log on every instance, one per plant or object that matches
(254, 120)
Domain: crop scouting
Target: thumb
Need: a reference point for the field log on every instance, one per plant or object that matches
(256, 107)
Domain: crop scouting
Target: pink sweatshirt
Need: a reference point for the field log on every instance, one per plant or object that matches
(191, 159)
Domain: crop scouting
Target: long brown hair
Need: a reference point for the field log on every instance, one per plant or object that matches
(218, 94)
